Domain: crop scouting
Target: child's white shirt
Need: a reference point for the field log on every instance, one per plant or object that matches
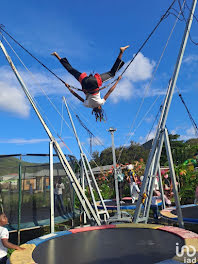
(3, 234)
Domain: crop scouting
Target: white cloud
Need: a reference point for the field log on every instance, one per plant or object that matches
(150, 136)
(24, 141)
(149, 119)
(191, 58)
(124, 91)
(13, 100)
(33, 141)
(173, 132)
(140, 69)
(185, 134)
(136, 75)
(44, 83)
(189, 133)
(142, 140)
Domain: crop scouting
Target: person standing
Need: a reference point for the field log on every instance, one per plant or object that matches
(120, 177)
(131, 179)
(58, 195)
(196, 196)
(154, 206)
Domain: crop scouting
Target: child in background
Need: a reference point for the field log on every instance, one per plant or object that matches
(155, 206)
(196, 196)
(131, 179)
(120, 177)
(4, 243)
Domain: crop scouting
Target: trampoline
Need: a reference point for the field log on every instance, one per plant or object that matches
(42, 218)
(125, 204)
(123, 243)
(189, 212)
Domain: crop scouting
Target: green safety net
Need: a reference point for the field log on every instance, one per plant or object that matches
(31, 206)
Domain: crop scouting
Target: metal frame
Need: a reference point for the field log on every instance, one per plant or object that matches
(73, 179)
(112, 130)
(161, 136)
(88, 172)
(51, 187)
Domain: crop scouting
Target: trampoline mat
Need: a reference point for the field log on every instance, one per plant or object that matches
(188, 212)
(118, 245)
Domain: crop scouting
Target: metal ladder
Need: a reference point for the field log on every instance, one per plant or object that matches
(162, 137)
(87, 171)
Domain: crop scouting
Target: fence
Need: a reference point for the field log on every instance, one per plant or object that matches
(25, 190)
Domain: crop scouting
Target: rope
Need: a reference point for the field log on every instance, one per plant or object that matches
(64, 143)
(85, 127)
(147, 138)
(89, 132)
(149, 36)
(36, 81)
(195, 43)
(61, 129)
(149, 85)
(1, 28)
(73, 87)
(144, 43)
(139, 124)
(84, 148)
(37, 104)
(3, 37)
(189, 114)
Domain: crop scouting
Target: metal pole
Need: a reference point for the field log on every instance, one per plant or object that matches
(155, 167)
(96, 186)
(82, 173)
(179, 61)
(51, 187)
(112, 130)
(19, 204)
(61, 155)
(166, 107)
(84, 159)
(149, 164)
(161, 187)
(74, 129)
(173, 179)
(89, 184)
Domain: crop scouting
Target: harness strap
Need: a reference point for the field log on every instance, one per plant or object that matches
(82, 76)
(95, 91)
(98, 79)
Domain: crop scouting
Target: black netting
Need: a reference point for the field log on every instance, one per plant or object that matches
(35, 190)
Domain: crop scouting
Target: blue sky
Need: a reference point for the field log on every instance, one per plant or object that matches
(89, 34)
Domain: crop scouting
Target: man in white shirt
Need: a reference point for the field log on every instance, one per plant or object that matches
(58, 195)
(92, 83)
(4, 243)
